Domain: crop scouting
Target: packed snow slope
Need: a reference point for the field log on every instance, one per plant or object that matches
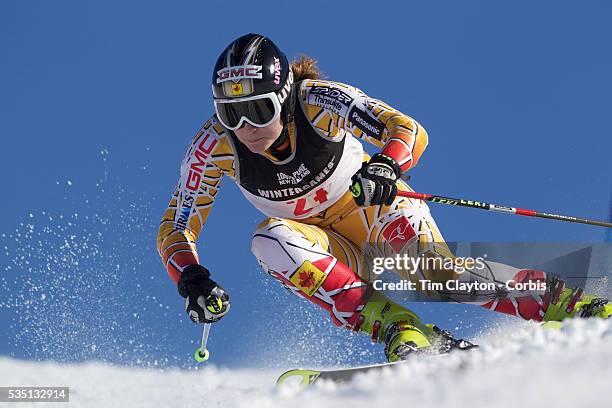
(517, 365)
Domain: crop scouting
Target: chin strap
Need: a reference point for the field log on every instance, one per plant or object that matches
(280, 139)
(287, 115)
(289, 107)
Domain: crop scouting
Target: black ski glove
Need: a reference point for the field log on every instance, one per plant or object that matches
(374, 183)
(205, 301)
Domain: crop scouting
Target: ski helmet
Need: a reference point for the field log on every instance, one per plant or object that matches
(252, 82)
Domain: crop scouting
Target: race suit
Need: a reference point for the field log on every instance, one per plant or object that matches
(316, 241)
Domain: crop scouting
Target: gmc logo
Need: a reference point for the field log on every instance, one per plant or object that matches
(240, 72)
(197, 167)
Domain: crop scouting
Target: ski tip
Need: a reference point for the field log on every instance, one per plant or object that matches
(552, 325)
(306, 377)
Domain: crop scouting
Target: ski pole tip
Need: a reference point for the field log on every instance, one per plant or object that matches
(201, 355)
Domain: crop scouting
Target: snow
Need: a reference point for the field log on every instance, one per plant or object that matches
(517, 365)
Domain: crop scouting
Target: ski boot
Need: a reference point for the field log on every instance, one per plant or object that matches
(402, 331)
(566, 303)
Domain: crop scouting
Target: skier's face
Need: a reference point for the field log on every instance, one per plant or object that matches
(259, 139)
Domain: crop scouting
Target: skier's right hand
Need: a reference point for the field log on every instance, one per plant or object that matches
(374, 183)
(205, 301)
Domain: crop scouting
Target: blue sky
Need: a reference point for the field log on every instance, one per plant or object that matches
(98, 101)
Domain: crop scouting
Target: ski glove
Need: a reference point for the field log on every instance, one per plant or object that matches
(205, 301)
(374, 183)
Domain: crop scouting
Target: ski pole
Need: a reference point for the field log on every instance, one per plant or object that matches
(201, 354)
(499, 208)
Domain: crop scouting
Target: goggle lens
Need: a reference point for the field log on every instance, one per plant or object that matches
(258, 112)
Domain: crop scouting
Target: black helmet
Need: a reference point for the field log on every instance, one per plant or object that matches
(251, 82)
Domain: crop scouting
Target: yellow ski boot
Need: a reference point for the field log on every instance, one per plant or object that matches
(566, 303)
(402, 331)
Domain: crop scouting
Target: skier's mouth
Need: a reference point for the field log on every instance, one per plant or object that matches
(257, 140)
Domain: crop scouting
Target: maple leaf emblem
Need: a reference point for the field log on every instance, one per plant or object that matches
(398, 233)
(307, 279)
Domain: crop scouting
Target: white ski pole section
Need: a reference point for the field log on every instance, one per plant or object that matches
(205, 333)
(201, 354)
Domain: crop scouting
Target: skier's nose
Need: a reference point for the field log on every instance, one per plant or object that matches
(248, 128)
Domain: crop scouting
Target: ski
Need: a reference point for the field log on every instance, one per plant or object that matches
(341, 375)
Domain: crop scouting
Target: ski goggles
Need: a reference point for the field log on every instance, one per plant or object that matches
(259, 111)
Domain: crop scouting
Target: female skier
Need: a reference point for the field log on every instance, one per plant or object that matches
(289, 140)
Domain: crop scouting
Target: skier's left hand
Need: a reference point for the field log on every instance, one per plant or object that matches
(205, 300)
(374, 183)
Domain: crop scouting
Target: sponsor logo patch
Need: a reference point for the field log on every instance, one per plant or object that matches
(239, 72)
(185, 212)
(198, 162)
(195, 170)
(294, 178)
(306, 183)
(355, 189)
(366, 123)
(238, 81)
(214, 304)
(330, 99)
(308, 278)
(333, 93)
(277, 71)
